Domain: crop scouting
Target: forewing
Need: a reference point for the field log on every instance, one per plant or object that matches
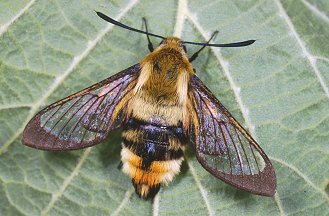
(84, 118)
(224, 148)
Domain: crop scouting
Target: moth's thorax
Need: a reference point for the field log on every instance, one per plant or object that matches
(165, 72)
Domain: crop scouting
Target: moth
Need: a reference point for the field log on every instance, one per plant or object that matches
(162, 106)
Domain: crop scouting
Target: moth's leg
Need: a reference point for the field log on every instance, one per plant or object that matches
(120, 165)
(150, 45)
(195, 55)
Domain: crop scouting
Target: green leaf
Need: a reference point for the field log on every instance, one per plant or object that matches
(277, 88)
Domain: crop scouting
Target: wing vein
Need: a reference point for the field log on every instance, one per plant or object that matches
(109, 107)
(83, 115)
(237, 151)
(84, 134)
(73, 114)
(50, 116)
(224, 136)
(244, 151)
(66, 113)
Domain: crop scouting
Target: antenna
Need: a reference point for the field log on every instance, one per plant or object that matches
(114, 22)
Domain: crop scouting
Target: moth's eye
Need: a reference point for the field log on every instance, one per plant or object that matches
(184, 48)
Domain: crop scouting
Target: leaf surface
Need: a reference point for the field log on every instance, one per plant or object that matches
(278, 88)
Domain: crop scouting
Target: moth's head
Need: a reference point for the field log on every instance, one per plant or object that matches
(173, 43)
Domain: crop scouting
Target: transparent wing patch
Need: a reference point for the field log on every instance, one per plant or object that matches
(225, 149)
(84, 118)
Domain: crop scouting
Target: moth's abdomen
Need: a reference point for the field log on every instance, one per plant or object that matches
(151, 155)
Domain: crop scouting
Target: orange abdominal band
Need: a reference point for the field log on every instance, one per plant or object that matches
(158, 172)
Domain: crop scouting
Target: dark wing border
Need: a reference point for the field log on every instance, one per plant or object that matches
(33, 131)
(263, 183)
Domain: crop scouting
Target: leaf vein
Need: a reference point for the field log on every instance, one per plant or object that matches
(242, 15)
(5, 26)
(66, 182)
(14, 106)
(180, 17)
(298, 172)
(302, 210)
(316, 11)
(309, 56)
(59, 79)
(279, 204)
(12, 203)
(201, 188)
(234, 87)
(156, 203)
(225, 66)
(124, 201)
(68, 21)
(322, 58)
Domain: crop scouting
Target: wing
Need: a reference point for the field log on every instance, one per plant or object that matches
(224, 148)
(84, 118)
